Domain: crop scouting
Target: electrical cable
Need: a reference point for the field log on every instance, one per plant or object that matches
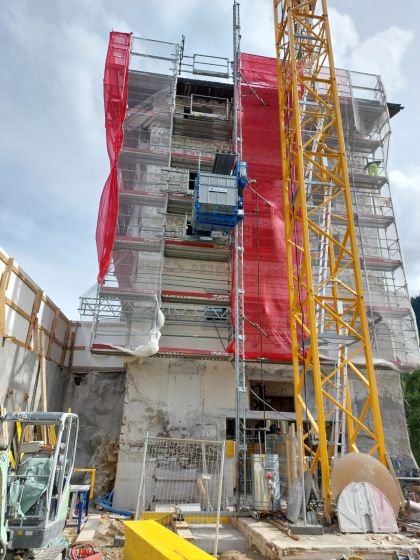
(269, 406)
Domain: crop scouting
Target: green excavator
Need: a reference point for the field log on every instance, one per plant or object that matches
(37, 452)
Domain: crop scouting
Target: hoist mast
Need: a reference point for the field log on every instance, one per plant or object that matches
(331, 348)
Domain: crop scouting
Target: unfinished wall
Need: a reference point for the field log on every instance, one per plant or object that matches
(393, 413)
(97, 398)
(19, 379)
(170, 398)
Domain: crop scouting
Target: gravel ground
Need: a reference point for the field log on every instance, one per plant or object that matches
(112, 552)
(109, 528)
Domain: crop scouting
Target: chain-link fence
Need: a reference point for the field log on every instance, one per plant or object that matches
(185, 477)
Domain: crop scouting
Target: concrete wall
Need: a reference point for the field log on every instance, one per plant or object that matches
(393, 414)
(170, 398)
(19, 379)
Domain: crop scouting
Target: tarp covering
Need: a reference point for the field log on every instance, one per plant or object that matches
(267, 331)
(25, 491)
(115, 101)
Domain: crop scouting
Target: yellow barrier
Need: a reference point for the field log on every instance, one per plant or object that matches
(147, 540)
(92, 473)
(161, 517)
(166, 518)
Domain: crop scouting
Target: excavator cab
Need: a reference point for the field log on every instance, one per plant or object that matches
(37, 455)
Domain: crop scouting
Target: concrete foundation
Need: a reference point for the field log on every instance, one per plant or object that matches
(273, 544)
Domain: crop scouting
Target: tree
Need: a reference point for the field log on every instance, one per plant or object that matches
(415, 303)
(411, 387)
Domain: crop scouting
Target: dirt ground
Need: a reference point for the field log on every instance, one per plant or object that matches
(233, 555)
(116, 553)
(112, 552)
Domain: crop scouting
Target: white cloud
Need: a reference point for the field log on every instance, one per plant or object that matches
(405, 187)
(52, 150)
(52, 154)
(345, 37)
(382, 53)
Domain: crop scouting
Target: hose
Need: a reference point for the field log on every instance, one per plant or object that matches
(105, 502)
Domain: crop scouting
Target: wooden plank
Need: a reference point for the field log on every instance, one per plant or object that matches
(72, 348)
(89, 529)
(16, 341)
(43, 378)
(34, 315)
(182, 529)
(52, 333)
(64, 345)
(18, 310)
(31, 285)
(35, 337)
(5, 277)
(4, 283)
(2, 313)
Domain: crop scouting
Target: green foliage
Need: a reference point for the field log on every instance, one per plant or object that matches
(411, 386)
(415, 303)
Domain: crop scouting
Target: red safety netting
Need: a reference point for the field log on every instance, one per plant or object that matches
(267, 330)
(115, 101)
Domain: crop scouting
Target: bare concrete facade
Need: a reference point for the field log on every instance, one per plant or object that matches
(175, 397)
(170, 397)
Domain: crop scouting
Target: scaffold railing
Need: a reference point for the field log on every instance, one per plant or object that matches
(127, 308)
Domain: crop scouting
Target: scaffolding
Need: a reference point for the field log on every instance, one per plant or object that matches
(173, 128)
(366, 124)
(126, 310)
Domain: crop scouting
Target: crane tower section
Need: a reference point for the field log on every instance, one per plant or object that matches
(331, 348)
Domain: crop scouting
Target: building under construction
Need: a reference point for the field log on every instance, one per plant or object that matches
(188, 335)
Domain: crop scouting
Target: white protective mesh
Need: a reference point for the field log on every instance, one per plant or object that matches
(367, 133)
(128, 317)
(366, 129)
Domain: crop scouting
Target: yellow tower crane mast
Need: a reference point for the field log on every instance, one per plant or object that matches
(331, 349)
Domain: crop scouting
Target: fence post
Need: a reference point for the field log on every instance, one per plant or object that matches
(139, 508)
(219, 499)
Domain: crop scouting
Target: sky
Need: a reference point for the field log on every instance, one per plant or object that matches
(53, 159)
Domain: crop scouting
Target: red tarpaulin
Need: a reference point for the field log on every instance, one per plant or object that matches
(267, 331)
(115, 101)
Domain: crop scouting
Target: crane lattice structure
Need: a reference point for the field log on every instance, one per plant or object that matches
(331, 349)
